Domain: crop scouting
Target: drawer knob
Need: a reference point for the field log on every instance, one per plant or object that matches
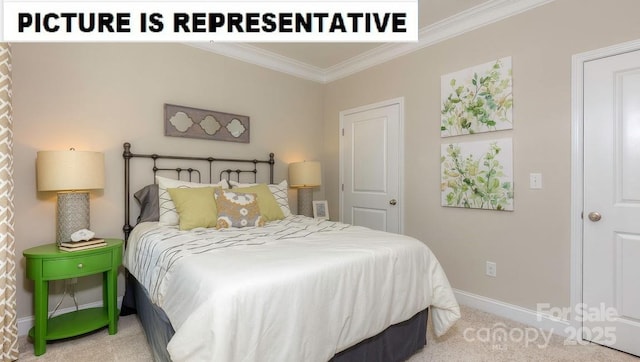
(80, 266)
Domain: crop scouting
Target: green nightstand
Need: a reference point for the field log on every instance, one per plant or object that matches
(47, 262)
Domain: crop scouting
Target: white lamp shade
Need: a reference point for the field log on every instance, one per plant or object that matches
(305, 174)
(69, 170)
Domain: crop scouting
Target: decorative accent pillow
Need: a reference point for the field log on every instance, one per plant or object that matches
(237, 209)
(280, 193)
(147, 198)
(168, 214)
(196, 206)
(269, 208)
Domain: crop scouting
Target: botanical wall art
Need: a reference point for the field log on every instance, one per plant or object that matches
(477, 175)
(180, 121)
(477, 99)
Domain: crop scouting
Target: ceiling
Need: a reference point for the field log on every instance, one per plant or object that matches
(325, 62)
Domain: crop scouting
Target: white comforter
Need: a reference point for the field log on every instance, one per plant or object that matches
(294, 290)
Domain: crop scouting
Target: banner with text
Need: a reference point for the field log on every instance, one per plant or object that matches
(220, 21)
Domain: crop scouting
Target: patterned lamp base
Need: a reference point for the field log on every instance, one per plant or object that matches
(73, 214)
(305, 201)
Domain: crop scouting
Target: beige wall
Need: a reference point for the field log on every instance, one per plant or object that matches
(97, 96)
(531, 245)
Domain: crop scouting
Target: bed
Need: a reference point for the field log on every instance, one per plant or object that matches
(278, 287)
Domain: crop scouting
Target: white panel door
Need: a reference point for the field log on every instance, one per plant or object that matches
(371, 167)
(611, 251)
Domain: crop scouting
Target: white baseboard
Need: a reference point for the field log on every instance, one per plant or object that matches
(513, 312)
(25, 323)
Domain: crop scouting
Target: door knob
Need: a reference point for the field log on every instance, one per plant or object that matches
(393, 202)
(595, 216)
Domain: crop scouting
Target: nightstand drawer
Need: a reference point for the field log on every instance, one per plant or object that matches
(76, 266)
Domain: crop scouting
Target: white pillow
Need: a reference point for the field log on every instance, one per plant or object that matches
(279, 191)
(168, 213)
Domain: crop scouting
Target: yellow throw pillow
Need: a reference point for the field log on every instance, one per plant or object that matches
(196, 207)
(269, 208)
(168, 213)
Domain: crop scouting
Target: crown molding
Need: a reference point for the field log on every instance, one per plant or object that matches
(258, 56)
(463, 22)
(473, 18)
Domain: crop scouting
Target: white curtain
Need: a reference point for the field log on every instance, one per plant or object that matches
(8, 324)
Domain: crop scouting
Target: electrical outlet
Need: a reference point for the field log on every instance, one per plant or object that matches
(491, 269)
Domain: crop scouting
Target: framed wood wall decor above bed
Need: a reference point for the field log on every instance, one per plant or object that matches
(181, 121)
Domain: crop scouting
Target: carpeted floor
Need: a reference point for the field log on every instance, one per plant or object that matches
(469, 340)
(129, 344)
(473, 338)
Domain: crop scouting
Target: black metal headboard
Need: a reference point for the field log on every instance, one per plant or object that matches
(127, 155)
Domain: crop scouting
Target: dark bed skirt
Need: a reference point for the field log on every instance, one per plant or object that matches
(394, 344)
(155, 322)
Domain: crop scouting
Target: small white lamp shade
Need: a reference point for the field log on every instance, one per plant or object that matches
(304, 176)
(69, 172)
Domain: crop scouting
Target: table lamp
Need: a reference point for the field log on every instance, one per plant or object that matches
(70, 173)
(305, 176)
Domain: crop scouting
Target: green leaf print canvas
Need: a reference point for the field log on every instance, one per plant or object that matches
(477, 175)
(477, 99)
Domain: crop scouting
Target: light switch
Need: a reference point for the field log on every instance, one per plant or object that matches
(535, 181)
